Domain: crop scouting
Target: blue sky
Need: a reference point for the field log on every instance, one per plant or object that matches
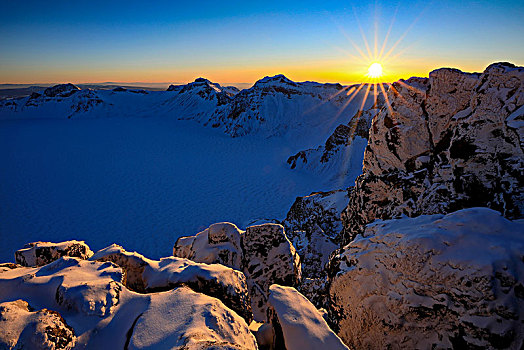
(242, 41)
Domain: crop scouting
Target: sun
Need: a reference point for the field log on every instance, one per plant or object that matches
(375, 70)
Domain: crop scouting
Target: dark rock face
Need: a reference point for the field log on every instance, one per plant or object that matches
(43, 253)
(434, 281)
(452, 141)
(61, 90)
(313, 225)
(269, 257)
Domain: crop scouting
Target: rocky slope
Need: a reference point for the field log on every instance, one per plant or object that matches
(452, 141)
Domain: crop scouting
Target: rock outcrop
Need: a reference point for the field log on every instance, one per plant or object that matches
(42, 253)
(452, 141)
(23, 328)
(297, 323)
(263, 253)
(435, 281)
(144, 275)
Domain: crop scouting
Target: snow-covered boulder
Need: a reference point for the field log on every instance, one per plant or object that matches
(146, 276)
(435, 281)
(86, 287)
(42, 253)
(269, 258)
(184, 319)
(23, 328)
(61, 90)
(452, 141)
(298, 324)
(219, 243)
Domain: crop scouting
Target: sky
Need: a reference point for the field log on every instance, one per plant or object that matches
(243, 41)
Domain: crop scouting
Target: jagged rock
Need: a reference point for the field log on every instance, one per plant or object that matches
(269, 258)
(87, 287)
(220, 243)
(448, 142)
(42, 253)
(298, 324)
(313, 226)
(435, 281)
(23, 328)
(183, 319)
(262, 252)
(61, 90)
(146, 276)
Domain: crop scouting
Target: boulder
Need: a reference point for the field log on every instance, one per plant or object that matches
(219, 243)
(144, 275)
(42, 253)
(435, 281)
(23, 328)
(298, 324)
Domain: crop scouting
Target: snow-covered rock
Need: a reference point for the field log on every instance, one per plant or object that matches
(83, 305)
(219, 243)
(146, 276)
(184, 319)
(42, 253)
(435, 281)
(23, 328)
(86, 287)
(441, 144)
(298, 324)
(262, 252)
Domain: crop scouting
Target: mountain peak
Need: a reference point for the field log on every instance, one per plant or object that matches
(62, 90)
(277, 79)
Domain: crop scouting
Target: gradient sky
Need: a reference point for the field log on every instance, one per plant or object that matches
(242, 41)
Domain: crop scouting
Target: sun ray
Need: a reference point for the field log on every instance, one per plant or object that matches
(363, 35)
(384, 43)
(356, 58)
(403, 35)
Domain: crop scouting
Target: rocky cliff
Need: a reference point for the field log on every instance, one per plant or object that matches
(452, 141)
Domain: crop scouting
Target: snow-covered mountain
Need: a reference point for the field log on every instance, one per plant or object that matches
(274, 106)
